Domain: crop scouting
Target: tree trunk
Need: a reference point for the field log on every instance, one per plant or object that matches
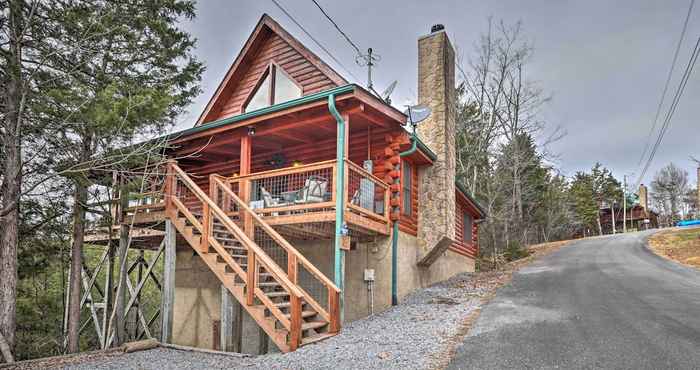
(11, 180)
(5, 350)
(80, 199)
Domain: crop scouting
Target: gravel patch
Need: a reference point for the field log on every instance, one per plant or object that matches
(412, 335)
(422, 332)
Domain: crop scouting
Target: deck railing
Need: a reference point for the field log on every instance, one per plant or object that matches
(325, 299)
(311, 188)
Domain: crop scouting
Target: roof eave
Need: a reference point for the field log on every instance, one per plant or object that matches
(463, 190)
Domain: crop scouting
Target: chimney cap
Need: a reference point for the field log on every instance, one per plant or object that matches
(437, 27)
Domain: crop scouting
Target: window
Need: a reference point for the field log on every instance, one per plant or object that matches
(275, 87)
(467, 221)
(406, 187)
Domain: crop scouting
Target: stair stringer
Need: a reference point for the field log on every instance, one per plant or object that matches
(257, 312)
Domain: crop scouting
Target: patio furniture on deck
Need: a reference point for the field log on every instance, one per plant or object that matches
(315, 190)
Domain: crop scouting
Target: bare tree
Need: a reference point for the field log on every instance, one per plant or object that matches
(669, 187)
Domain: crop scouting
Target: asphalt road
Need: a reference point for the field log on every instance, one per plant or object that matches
(600, 303)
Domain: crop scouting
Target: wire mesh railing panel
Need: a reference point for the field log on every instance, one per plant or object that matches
(312, 286)
(290, 191)
(365, 191)
(233, 247)
(273, 249)
(188, 198)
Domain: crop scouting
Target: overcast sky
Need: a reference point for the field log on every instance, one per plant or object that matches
(603, 62)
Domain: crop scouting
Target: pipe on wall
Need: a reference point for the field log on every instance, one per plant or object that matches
(395, 235)
(340, 228)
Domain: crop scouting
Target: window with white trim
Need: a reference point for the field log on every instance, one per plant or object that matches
(274, 87)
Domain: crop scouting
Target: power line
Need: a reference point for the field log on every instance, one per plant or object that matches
(672, 109)
(338, 28)
(668, 80)
(314, 40)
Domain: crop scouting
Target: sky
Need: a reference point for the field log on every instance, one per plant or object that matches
(604, 63)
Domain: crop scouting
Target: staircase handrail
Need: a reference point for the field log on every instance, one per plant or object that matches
(262, 257)
(333, 290)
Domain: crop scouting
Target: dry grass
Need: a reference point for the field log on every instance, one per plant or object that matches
(681, 245)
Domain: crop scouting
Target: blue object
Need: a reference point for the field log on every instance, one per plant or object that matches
(688, 223)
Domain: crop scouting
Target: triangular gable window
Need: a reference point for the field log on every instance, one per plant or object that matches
(275, 87)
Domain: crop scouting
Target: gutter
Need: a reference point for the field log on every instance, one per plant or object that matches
(476, 204)
(262, 111)
(395, 231)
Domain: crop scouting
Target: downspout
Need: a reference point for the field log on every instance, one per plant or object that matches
(340, 227)
(395, 235)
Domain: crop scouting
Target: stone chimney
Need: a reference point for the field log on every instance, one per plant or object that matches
(436, 89)
(643, 197)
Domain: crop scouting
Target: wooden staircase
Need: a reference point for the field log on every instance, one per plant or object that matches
(270, 293)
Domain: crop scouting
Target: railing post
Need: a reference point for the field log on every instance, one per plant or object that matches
(292, 267)
(170, 187)
(206, 228)
(251, 277)
(295, 322)
(334, 310)
(335, 181)
(346, 182)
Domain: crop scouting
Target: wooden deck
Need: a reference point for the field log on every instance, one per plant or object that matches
(366, 205)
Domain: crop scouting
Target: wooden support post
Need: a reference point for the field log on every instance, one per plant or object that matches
(334, 311)
(168, 295)
(292, 268)
(120, 300)
(139, 277)
(295, 322)
(237, 326)
(252, 278)
(226, 320)
(108, 297)
(206, 228)
(245, 185)
(170, 188)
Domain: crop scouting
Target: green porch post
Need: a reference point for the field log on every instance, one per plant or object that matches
(340, 229)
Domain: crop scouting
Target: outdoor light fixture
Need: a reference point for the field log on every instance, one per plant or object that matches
(297, 163)
(251, 131)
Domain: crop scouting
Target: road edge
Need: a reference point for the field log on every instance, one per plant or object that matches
(453, 342)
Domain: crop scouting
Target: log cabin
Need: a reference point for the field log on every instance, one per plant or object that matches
(299, 202)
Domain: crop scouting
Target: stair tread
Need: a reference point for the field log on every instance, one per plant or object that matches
(304, 314)
(315, 338)
(286, 304)
(236, 252)
(269, 283)
(313, 325)
(276, 294)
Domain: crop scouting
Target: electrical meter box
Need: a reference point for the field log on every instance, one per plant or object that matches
(369, 274)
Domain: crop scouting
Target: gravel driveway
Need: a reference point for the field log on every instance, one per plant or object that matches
(413, 335)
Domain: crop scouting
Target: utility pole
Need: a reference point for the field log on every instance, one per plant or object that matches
(612, 214)
(624, 204)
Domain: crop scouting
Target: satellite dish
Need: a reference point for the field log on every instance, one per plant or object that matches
(417, 113)
(386, 95)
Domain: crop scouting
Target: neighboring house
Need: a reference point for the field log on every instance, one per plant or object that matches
(638, 216)
(299, 201)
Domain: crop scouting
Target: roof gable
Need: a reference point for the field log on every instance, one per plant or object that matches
(268, 43)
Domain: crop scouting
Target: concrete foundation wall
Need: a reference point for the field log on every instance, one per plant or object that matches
(197, 306)
(197, 303)
(377, 255)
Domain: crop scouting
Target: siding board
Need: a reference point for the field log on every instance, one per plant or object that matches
(277, 50)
